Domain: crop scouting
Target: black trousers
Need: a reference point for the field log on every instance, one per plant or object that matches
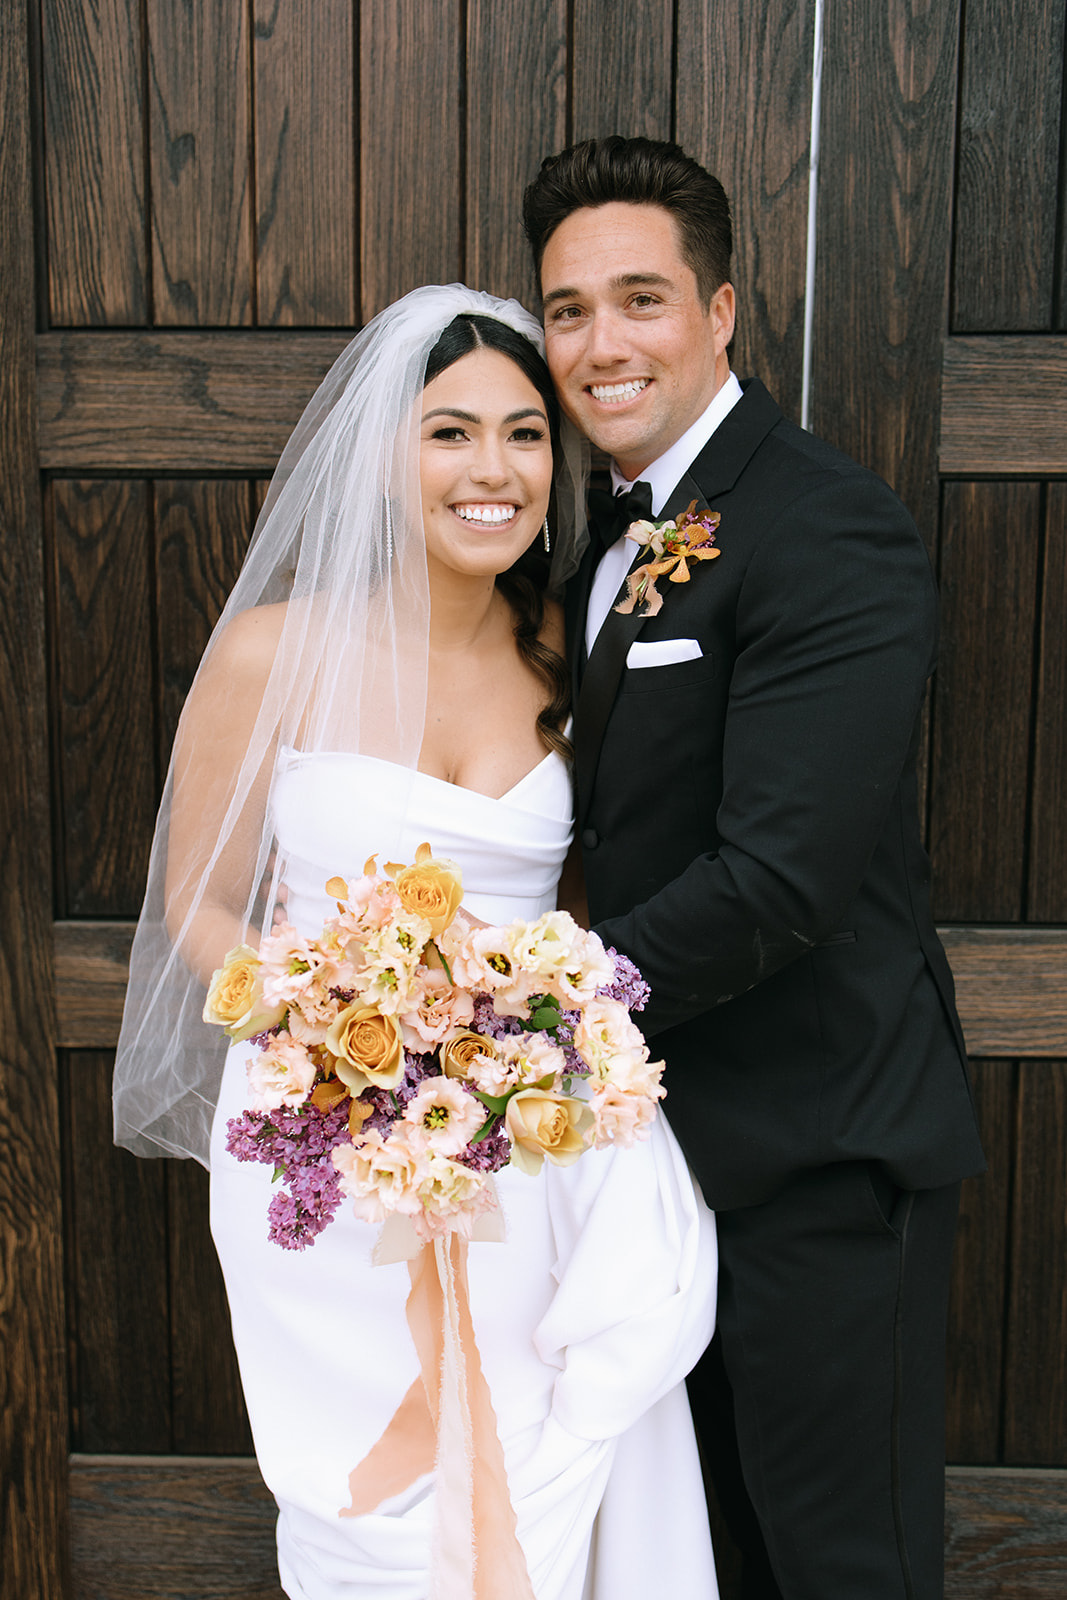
(820, 1404)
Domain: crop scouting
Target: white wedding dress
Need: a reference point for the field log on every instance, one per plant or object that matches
(587, 1318)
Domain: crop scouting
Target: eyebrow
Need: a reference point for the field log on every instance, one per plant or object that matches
(469, 416)
(625, 280)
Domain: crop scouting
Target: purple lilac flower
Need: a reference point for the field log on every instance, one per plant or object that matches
(628, 986)
(388, 1104)
(489, 1154)
(488, 1023)
(298, 1141)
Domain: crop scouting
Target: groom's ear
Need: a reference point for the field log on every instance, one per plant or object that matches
(723, 311)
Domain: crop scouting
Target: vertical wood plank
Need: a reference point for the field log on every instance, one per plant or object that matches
(198, 65)
(202, 531)
(516, 115)
(1010, 94)
(1047, 894)
(976, 1306)
(34, 1526)
(757, 144)
(117, 1243)
(305, 162)
(209, 1409)
(885, 190)
(982, 697)
(622, 69)
(94, 143)
(104, 713)
(1035, 1423)
(410, 88)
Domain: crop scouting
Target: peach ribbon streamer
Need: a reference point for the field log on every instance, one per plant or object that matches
(446, 1423)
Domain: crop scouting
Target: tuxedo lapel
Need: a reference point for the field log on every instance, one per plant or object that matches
(600, 683)
(728, 451)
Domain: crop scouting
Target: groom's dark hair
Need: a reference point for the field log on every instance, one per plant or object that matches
(639, 172)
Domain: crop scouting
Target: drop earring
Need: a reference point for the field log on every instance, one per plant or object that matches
(546, 538)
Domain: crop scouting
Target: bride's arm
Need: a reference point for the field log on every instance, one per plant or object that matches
(209, 754)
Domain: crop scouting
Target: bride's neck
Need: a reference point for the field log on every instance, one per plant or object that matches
(463, 611)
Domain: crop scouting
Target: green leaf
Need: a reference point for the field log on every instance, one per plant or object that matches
(485, 1130)
(497, 1103)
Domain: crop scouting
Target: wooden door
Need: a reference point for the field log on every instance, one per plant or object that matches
(199, 203)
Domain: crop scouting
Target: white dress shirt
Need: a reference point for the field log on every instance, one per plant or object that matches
(663, 475)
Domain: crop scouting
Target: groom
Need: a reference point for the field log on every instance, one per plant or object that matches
(747, 812)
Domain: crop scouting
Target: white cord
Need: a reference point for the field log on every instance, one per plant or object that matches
(813, 197)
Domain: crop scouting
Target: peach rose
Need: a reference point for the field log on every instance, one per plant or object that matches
(368, 1046)
(431, 888)
(541, 1124)
(235, 998)
(459, 1053)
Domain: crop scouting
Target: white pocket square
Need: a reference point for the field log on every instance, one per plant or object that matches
(662, 652)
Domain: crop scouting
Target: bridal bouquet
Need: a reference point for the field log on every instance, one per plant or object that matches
(406, 1054)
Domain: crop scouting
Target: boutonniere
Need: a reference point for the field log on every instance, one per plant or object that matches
(670, 547)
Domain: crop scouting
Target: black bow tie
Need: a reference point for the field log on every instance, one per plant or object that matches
(611, 514)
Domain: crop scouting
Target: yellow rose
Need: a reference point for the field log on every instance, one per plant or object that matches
(541, 1123)
(234, 1000)
(458, 1053)
(431, 889)
(368, 1046)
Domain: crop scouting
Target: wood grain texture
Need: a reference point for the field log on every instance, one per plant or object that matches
(516, 115)
(33, 1393)
(175, 402)
(117, 1249)
(172, 1529)
(92, 967)
(975, 1345)
(103, 667)
(208, 1406)
(410, 144)
(1005, 1535)
(982, 699)
(304, 73)
(1047, 893)
(202, 530)
(1009, 145)
(94, 143)
(198, 69)
(1011, 989)
(884, 217)
(622, 69)
(1035, 1409)
(1004, 406)
(758, 146)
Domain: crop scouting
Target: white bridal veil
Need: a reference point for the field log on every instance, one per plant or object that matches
(322, 645)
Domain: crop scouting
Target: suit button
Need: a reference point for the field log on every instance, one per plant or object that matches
(590, 838)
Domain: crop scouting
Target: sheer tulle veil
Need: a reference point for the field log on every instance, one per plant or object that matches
(322, 645)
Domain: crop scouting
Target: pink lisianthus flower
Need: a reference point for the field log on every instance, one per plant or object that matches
(381, 1175)
(280, 1075)
(619, 1117)
(437, 1010)
(444, 1118)
(548, 946)
(485, 959)
(452, 1196)
(391, 959)
(368, 902)
(603, 1032)
(592, 969)
(296, 971)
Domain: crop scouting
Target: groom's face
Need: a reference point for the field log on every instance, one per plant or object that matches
(635, 355)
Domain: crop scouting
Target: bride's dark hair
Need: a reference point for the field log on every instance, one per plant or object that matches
(525, 584)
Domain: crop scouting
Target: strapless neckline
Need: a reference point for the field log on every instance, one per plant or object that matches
(290, 753)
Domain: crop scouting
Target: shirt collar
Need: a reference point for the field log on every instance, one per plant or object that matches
(665, 473)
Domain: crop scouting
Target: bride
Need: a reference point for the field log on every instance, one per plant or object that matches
(388, 671)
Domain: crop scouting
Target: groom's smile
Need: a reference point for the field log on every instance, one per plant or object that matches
(635, 355)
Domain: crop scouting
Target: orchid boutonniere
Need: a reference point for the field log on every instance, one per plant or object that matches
(670, 547)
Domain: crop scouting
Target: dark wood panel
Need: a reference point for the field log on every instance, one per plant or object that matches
(885, 191)
(117, 1252)
(1035, 1420)
(208, 1406)
(1004, 407)
(94, 145)
(1047, 894)
(410, 90)
(976, 1306)
(104, 719)
(33, 1393)
(305, 162)
(202, 532)
(516, 115)
(982, 698)
(1009, 143)
(1005, 1535)
(1011, 985)
(759, 150)
(175, 402)
(622, 69)
(198, 66)
(173, 1530)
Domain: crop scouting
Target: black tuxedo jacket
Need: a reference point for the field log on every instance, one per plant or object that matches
(750, 828)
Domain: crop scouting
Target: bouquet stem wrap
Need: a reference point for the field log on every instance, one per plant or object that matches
(446, 1423)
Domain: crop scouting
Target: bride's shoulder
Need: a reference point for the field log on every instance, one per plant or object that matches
(244, 649)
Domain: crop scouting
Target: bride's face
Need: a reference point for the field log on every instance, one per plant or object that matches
(485, 464)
